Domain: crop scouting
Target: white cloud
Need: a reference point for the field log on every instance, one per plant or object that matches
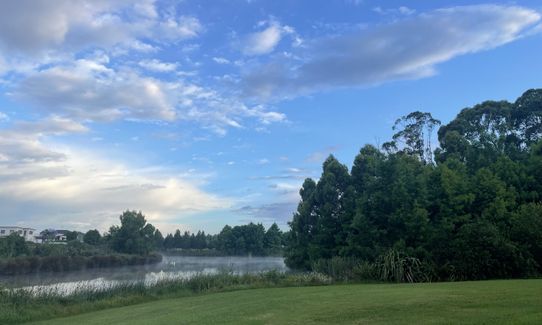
(295, 170)
(106, 83)
(157, 65)
(21, 144)
(404, 49)
(62, 27)
(406, 10)
(403, 10)
(220, 60)
(87, 89)
(51, 185)
(217, 112)
(264, 41)
(3, 117)
(180, 28)
(289, 189)
(146, 8)
(3, 66)
(53, 125)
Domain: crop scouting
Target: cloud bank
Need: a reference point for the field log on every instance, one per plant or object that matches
(44, 184)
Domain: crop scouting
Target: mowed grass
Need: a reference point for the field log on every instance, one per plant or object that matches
(482, 302)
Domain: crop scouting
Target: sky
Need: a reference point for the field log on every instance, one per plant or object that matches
(206, 113)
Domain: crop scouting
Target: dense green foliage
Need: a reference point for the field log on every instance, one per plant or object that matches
(483, 302)
(92, 237)
(134, 235)
(13, 245)
(24, 305)
(250, 239)
(131, 243)
(472, 212)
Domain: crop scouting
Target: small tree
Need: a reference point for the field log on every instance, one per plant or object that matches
(13, 245)
(134, 236)
(92, 237)
(71, 235)
(158, 239)
(272, 241)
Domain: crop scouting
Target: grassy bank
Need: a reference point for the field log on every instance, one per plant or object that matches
(17, 306)
(488, 302)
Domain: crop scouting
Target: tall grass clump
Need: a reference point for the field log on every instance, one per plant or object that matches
(391, 266)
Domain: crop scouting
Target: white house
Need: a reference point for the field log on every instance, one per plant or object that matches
(29, 234)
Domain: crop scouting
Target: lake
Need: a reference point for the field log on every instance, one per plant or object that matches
(171, 267)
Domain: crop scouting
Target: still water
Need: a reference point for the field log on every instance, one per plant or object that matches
(171, 267)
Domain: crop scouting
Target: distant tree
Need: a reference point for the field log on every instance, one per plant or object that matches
(71, 235)
(177, 239)
(134, 236)
(92, 237)
(13, 246)
(48, 234)
(158, 239)
(169, 242)
(414, 132)
(272, 241)
(253, 235)
(200, 240)
(226, 240)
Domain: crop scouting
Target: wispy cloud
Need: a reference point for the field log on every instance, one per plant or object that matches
(87, 89)
(279, 212)
(264, 41)
(158, 66)
(221, 60)
(404, 49)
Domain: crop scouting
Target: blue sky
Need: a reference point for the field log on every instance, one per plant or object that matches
(206, 113)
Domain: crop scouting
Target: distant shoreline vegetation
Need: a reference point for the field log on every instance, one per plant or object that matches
(131, 243)
(245, 240)
(134, 242)
(37, 264)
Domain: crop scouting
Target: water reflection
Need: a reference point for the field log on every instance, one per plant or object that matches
(171, 267)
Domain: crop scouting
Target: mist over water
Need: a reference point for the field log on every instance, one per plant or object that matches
(171, 267)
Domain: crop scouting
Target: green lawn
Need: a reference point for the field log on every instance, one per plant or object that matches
(489, 302)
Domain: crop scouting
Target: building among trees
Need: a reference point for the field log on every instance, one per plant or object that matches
(29, 234)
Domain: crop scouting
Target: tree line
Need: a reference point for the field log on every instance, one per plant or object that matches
(135, 236)
(470, 209)
(250, 239)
